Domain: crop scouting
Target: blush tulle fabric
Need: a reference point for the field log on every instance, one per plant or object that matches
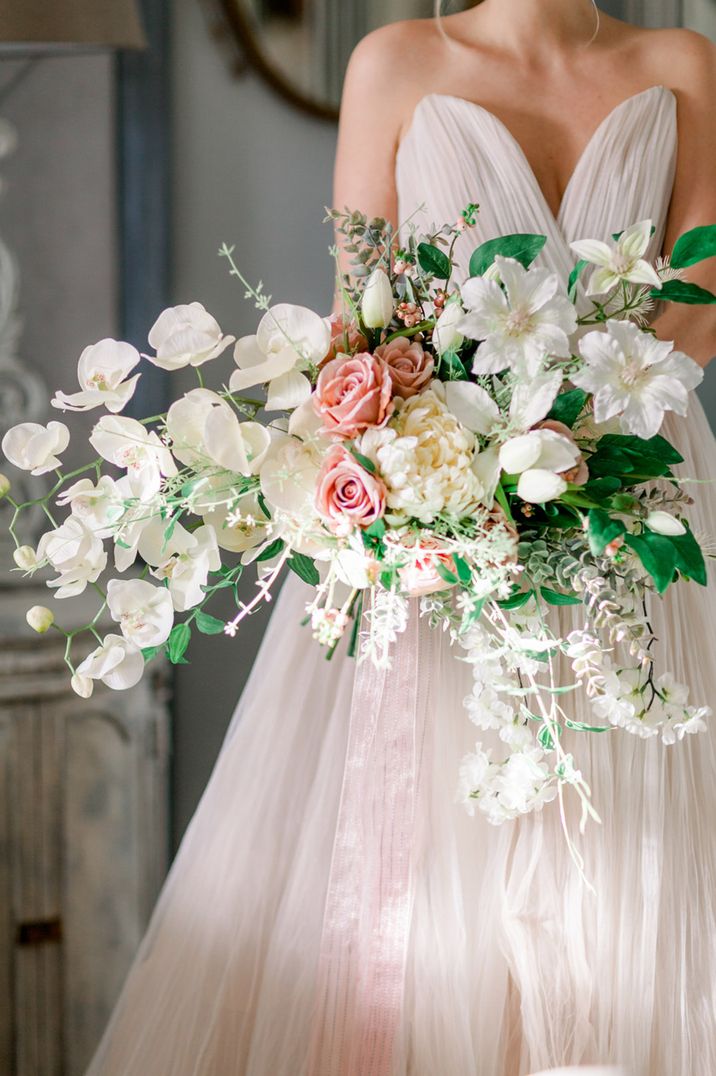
(511, 965)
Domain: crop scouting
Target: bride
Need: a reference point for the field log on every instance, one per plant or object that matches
(558, 121)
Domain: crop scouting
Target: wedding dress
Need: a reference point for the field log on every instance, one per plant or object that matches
(511, 963)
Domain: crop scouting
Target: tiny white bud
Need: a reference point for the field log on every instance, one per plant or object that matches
(377, 304)
(25, 557)
(40, 618)
(4, 485)
(82, 685)
(664, 523)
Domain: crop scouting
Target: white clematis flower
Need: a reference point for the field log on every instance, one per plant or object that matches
(634, 375)
(76, 554)
(186, 335)
(101, 371)
(621, 260)
(205, 431)
(288, 340)
(520, 326)
(531, 401)
(117, 662)
(131, 446)
(187, 569)
(35, 448)
(145, 613)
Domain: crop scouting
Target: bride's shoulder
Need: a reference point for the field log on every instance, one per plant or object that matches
(687, 58)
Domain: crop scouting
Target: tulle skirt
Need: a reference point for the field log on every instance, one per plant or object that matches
(513, 964)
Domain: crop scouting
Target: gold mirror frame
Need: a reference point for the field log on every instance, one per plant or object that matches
(249, 52)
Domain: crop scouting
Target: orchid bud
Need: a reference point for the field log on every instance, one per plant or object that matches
(664, 523)
(82, 685)
(538, 485)
(377, 304)
(4, 486)
(40, 618)
(25, 557)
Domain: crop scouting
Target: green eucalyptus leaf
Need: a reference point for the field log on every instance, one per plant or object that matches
(523, 247)
(682, 291)
(694, 246)
(434, 261)
(657, 554)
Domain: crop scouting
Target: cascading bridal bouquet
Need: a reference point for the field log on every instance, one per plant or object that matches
(491, 449)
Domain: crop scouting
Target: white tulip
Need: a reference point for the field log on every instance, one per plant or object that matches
(377, 304)
(98, 506)
(544, 449)
(538, 485)
(665, 523)
(144, 612)
(40, 618)
(186, 335)
(81, 685)
(117, 662)
(76, 554)
(289, 339)
(101, 372)
(25, 557)
(4, 486)
(446, 336)
(131, 446)
(35, 448)
(205, 431)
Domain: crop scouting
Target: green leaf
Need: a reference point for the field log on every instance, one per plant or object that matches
(178, 641)
(568, 406)
(464, 572)
(546, 738)
(575, 275)
(304, 568)
(689, 558)
(366, 464)
(579, 726)
(271, 550)
(208, 625)
(376, 530)
(694, 246)
(554, 597)
(445, 573)
(600, 489)
(524, 247)
(656, 446)
(451, 368)
(517, 600)
(501, 498)
(657, 554)
(434, 261)
(681, 291)
(603, 530)
(150, 652)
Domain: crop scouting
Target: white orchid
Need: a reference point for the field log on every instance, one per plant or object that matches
(101, 371)
(76, 554)
(377, 302)
(144, 612)
(117, 662)
(520, 326)
(636, 376)
(134, 515)
(288, 478)
(538, 457)
(205, 432)
(186, 335)
(288, 340)
(99, 505)
(187, 570)
(131, 446)
(243, 527)
(621, 260)
(35, 448)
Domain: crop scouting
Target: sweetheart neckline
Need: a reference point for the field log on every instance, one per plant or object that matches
(517, 147)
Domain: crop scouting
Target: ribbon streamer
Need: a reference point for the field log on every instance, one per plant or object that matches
(366, 926)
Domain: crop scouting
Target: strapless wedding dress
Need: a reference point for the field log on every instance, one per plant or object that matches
(512, 965)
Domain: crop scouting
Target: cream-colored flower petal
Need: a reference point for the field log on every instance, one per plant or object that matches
(288, 391)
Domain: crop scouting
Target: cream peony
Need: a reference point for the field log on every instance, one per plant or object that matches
(425, 458)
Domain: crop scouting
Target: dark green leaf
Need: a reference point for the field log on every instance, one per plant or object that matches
(694, 246)
(376, 530)
(657, 554)
(355, 627)
(304, 568)
(516, 601)
(271, 550)
(603, 530)
(554, 597)
(445, 573)
(433, 260)
(602, 488)
(568, 406)
(463, 569)
(575, 275)
(366, 463)
(450, 368)
(682, 291)
(655, 446)
(208, 625)
(523, 247)
(689, 558)
(579, 726)
(177, 642)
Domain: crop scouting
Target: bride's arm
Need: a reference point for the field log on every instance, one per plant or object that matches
(693, 73)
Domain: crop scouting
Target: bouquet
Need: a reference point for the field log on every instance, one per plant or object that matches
(484, 451)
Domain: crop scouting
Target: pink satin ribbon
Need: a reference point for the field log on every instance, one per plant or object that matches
(366, 927)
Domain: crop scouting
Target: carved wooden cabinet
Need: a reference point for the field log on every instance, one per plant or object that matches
(83, 843)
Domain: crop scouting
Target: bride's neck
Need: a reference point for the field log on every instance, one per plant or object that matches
(534, 25)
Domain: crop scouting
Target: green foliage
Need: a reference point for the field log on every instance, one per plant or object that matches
(574, 277)
(545, 736)
(516, 601)
(689, 558)
(681, 291)
(657, 554)
(554, 597)
(451, 367)
(271, 550)
(602, 530)
(523, 247)
(568, 406)
(305, 568)
(464, 572)
(694, 246)
(177, 643)
(434, 261)
(208, 625)
(366, 464)
(633, 457)
(445, 572)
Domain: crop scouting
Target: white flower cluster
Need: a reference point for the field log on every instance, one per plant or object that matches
(504, 790)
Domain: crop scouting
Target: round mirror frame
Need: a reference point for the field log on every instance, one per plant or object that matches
(245, 37)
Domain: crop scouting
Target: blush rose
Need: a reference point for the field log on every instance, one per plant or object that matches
(347, 495)
(353, 393)
(410, 366)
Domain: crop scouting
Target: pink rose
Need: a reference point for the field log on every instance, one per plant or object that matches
(420, 575)
(347, 495)
(410, 366)
(346, 338)
(353, 393)
(579, 474)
